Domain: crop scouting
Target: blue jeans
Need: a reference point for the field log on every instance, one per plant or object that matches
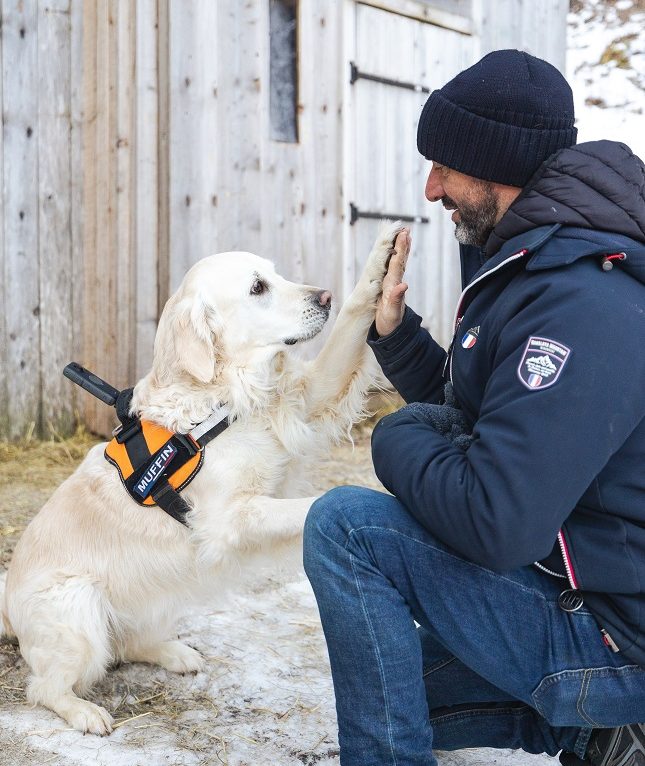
(494, 662)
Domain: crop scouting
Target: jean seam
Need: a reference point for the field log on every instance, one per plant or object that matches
(450, 555)
(437, 666)
(370, 627)
(470, 713)
(586, 682)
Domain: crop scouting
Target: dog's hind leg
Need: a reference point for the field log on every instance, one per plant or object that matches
(66, 643)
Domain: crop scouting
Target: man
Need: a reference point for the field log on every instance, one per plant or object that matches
(520, 553)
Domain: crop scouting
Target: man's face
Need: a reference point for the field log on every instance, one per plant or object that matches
(475, 203)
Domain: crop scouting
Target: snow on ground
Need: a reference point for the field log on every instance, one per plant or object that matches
(266, 698)
(606, 69)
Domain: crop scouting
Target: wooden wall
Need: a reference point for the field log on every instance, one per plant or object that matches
(538, 27)
(136, 141)
(40, 214)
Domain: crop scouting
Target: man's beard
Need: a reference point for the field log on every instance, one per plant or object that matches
(477, 220)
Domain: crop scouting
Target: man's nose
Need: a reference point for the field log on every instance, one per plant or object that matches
(434, 187)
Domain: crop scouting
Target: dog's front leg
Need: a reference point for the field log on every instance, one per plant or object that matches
(269, 520)
(249, 524)
(345, 353)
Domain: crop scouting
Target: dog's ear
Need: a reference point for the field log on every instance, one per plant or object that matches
(193, 337)
(185, 339)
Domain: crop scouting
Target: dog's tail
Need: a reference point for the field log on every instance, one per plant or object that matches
(5, 626)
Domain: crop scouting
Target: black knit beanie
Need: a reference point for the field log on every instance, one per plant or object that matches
(499, 119)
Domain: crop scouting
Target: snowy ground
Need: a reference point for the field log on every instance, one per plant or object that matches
(266, 698)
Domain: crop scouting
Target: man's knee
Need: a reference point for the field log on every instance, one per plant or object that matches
(331, 519)
(325, 515)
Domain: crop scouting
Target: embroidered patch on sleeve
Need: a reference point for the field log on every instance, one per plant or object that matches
(542, 362)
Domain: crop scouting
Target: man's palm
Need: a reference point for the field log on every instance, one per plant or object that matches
(391, 304)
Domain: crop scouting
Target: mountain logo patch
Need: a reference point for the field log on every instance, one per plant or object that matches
(542, 362)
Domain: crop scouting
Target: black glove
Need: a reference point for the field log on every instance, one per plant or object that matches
(447, 418)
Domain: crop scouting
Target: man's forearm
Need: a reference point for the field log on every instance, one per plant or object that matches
(410, 359)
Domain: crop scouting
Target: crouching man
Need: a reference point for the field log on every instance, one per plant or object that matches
(520, 549)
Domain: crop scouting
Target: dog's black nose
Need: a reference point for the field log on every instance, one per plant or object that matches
(323, 298)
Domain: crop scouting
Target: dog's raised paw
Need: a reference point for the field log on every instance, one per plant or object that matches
(378, 259)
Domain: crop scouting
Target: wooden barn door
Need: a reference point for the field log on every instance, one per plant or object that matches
(397, 60)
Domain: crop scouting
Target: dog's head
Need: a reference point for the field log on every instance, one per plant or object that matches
(234, 307)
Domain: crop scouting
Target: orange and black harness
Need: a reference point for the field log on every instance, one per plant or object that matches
(154, 464)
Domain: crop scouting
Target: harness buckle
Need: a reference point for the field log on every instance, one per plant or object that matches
(191, 444)
(123, 433)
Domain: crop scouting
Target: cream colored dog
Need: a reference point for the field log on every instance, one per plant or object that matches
(97, 578)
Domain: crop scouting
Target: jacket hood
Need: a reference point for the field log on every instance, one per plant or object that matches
(598, 186)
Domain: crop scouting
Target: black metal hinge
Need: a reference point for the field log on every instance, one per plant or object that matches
(355, 214)
(356, 74)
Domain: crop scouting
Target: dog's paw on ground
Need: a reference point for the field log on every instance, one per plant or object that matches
(179, 658)
(89, 718)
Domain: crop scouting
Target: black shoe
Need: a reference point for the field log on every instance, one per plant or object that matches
(570, 759)
(623, 746)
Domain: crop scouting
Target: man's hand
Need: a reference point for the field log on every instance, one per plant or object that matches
(391, 304)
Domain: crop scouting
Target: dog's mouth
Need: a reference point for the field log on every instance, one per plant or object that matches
(310, 332)
(300, 339)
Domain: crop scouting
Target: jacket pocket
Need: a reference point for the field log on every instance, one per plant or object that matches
(593, 697)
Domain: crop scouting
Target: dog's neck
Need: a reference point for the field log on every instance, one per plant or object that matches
(180, 402)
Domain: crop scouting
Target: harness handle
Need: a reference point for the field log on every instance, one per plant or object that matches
(92, 383)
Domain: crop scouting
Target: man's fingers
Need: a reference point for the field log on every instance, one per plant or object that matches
(399, 257)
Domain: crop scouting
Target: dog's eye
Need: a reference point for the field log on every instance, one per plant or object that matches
(258, 287)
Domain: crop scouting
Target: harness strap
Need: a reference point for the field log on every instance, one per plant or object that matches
(213, 426)
(137, 448)
(129, 425)
(171, 501)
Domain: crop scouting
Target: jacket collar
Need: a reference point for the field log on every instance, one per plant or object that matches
(550, 247)
(597, 186)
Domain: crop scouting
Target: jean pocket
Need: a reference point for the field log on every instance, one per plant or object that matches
(593, 697)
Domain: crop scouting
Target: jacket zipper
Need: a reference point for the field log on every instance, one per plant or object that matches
(570, 576)
(567, 561)
(458, 317)
(548, 571)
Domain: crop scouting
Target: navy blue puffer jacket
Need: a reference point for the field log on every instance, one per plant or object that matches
(548, 364)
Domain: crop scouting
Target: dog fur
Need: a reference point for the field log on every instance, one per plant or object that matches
(96, 578)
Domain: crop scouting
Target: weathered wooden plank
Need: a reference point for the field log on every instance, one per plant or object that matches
(146, 196)
(125, 256)
(101, 303)
(76, 192)
(55, 245)
(241, 84)
(4, 340)
(20, 177)
(320, 156)
(349, 178)
(195, 141)
(449, 14)
(280, 180)
(89, 110)
(163, 154)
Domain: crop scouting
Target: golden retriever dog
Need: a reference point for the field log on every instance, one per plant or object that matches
(97, 578)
